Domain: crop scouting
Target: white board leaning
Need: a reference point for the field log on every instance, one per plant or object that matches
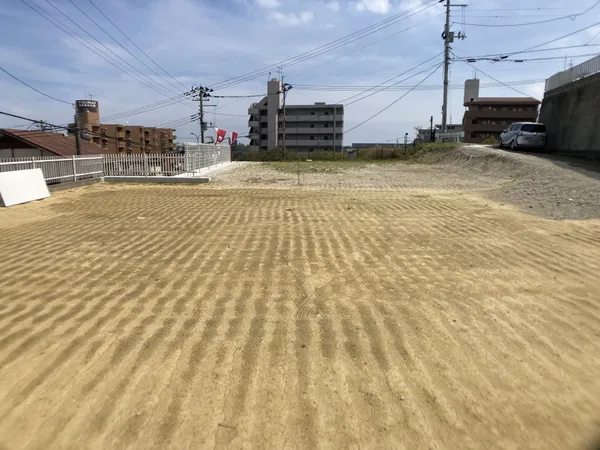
(22, 186)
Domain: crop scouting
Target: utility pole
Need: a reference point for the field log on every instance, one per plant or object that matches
(448, 37)
(77, 136)
(285, 87)
(431, 129)
(198, 94)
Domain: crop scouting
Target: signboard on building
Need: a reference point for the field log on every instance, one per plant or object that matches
(86, 105)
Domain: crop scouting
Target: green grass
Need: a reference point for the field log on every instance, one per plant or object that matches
(327, 167)
(322, 162)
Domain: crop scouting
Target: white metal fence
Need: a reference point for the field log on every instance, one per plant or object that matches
(587, 68)
(189, 164)
(57, 169)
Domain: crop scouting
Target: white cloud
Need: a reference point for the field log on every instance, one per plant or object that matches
(374, 6)
(268, 3)
(334, 6)
(292, 19)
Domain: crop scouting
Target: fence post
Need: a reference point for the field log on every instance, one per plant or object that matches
(146, 168)
(74, 169)
(33, 163)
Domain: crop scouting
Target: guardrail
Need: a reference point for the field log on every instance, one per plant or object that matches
(58, 169)
(586, 68)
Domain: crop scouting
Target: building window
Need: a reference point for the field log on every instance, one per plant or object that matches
(312, 125)
(312, 138)
(325, 138)
(326, 125)
(326, 113)
(473, 135)
(474, 121)
(312, 113)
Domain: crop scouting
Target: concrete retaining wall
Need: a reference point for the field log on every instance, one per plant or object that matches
(572, 115)
(133, 179)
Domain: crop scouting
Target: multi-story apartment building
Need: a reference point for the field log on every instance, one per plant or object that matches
(119, 138)
(306, 127)
(488, 116)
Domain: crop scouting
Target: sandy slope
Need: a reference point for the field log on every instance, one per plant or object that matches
(188, 317)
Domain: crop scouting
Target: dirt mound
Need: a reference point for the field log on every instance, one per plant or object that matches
(473, 160)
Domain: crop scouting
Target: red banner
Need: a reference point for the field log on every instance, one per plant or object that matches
(220, 135)
(234, 136)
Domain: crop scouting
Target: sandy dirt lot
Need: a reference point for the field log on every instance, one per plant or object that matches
(415, 312)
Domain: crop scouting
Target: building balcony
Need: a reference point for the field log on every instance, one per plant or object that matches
(309, 130)
(485, 128)
(513, 116)
(253, 124)
(314, 118)
(312, 143)
(253, 110)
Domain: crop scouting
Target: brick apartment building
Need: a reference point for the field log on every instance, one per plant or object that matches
(119, 138)
(488, 116)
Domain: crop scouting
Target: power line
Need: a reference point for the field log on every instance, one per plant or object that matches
(395, 101)
(547, 58)
(258, 73)
(136, 46)
(144, 109)
(305, 56)
(118, 43)
(31, 87)
(238, 96)
(79, 39)
(387, 81)
(568, 16)
(554, 40)
(329, 61)
(535, 51)
(404, 88)
(168, 89)
(496, 80)
(325, 48)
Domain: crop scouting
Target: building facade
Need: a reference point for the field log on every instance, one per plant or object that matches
(119, 138)
(487, 117)
(306, 127)
(455, 133)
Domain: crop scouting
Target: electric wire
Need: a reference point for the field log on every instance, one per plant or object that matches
(135, 45)
(326, 47)
(32, 88)
(495, 79)
(384, 88)
(568, 16)
(121, 45)
(395, 101)
(79, 39)
(132, 67)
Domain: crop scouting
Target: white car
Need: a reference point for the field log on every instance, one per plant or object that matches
(524, 134)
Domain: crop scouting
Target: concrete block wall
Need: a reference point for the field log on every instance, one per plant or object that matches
(571, 114)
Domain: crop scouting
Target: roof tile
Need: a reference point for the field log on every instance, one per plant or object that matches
(54, 142)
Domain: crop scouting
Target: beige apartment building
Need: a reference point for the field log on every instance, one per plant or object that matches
(306, 127)
(120, 138)
(488, 116)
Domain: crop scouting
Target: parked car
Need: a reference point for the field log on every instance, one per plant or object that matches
(524, 134)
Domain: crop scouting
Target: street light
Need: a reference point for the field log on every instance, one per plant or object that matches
(197, 139)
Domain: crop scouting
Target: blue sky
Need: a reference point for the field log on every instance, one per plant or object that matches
(209, 41)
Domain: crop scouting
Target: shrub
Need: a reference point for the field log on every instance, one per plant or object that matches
(490, 141)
